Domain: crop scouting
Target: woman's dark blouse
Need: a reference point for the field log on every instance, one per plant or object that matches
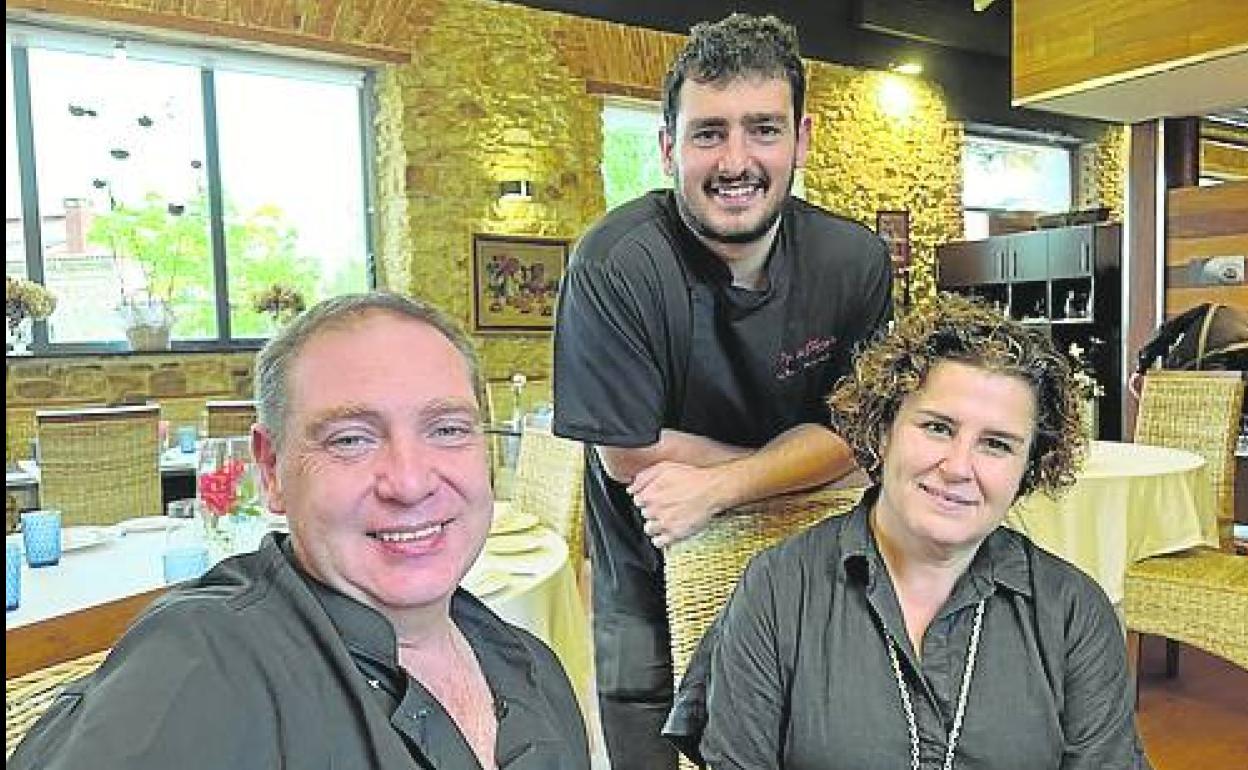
(800, 674)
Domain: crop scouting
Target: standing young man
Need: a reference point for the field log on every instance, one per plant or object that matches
(699, 330)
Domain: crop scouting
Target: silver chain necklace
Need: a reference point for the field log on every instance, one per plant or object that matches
(971, 652)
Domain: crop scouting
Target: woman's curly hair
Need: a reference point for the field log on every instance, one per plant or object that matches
(958, 329)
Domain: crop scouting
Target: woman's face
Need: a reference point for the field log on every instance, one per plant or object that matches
(953, 459)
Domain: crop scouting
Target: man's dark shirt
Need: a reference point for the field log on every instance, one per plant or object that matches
(651, 334)
(800, 677)
(257, 665)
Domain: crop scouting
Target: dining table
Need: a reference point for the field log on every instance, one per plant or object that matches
(1129, 502)
(108, 574)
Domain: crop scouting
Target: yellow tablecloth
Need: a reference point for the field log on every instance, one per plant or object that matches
(1131, 501)
(527, 579)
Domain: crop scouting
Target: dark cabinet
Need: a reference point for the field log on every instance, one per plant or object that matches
(969, 263)
(1026, 255)
(1065, 281)
(1070, 252)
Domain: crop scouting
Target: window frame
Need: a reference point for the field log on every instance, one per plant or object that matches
(32, 234)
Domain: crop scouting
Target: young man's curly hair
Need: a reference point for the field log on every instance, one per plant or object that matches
(737, 46)
(954, 328)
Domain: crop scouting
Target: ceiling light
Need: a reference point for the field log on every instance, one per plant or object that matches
(907, 68)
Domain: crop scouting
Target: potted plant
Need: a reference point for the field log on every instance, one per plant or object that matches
(153, 244)
(24, 302)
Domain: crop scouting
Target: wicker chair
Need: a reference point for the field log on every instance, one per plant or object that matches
(550, 482)
(26, 697)
(1200, 596)
(100, 466)
(1199, 412)
(702, 571)
(228, 418)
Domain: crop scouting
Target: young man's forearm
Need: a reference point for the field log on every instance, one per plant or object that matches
(804, 456)
(623, 464)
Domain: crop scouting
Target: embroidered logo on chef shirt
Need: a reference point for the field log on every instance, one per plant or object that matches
(812, 352)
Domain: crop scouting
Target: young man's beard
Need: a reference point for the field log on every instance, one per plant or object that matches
(705, 229)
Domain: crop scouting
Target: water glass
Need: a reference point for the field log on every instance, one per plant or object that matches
(187, 437)
(12, 575)
(183, 509)
(186, 553)
(41, 537)
(185, 562)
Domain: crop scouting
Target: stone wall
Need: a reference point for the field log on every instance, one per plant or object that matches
(1101, 173)
(866, 157)
(180, 382)
(488, 97)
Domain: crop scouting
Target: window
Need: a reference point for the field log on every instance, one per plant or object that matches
(190, 177)
(631, 162)
(1000, 175)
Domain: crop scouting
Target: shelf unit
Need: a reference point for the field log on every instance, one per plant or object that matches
(1066, 281)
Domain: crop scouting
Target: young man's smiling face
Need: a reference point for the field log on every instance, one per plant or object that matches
(733, 154)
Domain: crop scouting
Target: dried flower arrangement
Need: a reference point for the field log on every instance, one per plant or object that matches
(280, 301)
(26, 299)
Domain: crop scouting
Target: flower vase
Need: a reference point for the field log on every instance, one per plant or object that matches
(1089, 413)
(148, 323)
(18, 337)
(228, 487)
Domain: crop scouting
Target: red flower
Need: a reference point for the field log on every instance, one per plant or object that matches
(219, 489)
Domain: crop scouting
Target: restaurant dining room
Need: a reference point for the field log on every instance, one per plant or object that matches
(188, 181)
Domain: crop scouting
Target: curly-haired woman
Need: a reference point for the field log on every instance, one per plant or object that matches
(916, 631)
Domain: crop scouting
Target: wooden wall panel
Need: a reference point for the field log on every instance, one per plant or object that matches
(1227, 162)
(1140, 258)
(1179, 300)
(1063, 46)
(614, 58)
(1203, 222)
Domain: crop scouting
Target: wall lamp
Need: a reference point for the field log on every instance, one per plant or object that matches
(515, 189)
(908, 67)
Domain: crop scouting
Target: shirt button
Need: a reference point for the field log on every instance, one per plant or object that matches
(420, 713)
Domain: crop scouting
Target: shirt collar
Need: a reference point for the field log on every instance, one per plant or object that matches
(1001, 560)
(711, 268)
(508, 666)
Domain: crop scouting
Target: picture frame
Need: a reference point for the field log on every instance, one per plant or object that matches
(893, 227)
(515, 280)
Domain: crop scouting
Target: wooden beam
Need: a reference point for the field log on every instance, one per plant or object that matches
(188, 29)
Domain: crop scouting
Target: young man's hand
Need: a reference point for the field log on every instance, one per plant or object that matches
(677, 500)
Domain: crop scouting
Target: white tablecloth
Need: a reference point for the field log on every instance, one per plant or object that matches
(533, 587)
(1130, 501)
